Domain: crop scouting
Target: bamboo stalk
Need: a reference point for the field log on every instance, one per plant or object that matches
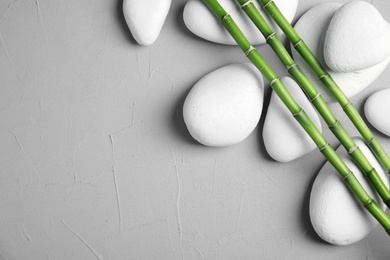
(300, 115)
(329, 82)
(316, 98)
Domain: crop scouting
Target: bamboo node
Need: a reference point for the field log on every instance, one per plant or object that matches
(297, 114)
(347, 176)
(225, 17)
(274, 81)
(324, 76)
(352, 149)
(291, 66)
(267, 4)
(368, 202)
(270, 36)
(323, 147)
(331, 126)
(247, 3)
(370, 142)
(299, 42)
(347, 105)
(371, 172)
(249, 50)
(315, 97)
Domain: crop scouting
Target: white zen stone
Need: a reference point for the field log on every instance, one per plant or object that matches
(225, 106)
(284, 138)
(377, 110)
(312, 27)
(357, 38)
(201, 21)
(336, 214)
(145, 18)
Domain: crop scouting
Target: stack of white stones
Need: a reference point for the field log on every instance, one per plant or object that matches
(223, 121)
(353, 42)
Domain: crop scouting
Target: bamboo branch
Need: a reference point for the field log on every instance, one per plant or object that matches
(316, 98)
(329, 82)
(299, 114)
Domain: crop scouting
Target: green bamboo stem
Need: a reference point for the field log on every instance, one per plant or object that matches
(329, 82)
(316, 98)
(300, 115)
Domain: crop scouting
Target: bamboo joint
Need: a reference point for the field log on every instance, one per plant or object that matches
(371, 172)
(298, 113)
(324, 76)
(347, 105)
(370, 142)
(350, 151)
(291, 66)
(368, 202)
(331, 126)
(270, 36)
(347, 176)
(249, 50)
(247, 3)
(315, 97)
(267, 4)
(225, 17)
(274, 81)
(323, 147)
(299, 42)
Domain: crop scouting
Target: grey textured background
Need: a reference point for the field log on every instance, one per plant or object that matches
(96, 162)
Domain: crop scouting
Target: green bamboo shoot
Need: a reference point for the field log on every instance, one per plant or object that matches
(328, 81)
(299, 114)
(318, 101)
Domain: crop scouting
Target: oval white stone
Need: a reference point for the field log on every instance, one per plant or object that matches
(312, 28)
(377, 110)
(201, 21)
(284, 138)
(225, 106)
(145, 28)
(357, 38)
(336, 214)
